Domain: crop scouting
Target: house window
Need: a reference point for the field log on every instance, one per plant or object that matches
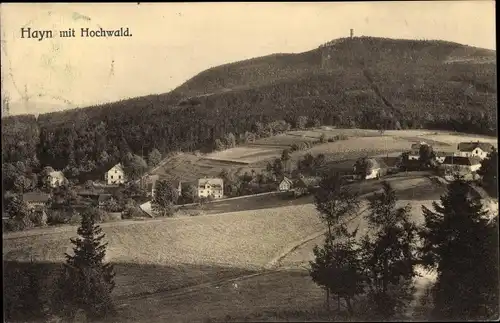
(111, 176)
(115, 171)
(119, 176)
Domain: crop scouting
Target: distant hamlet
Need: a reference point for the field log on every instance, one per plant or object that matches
(40, 35)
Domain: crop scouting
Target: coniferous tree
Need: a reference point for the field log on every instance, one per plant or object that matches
(461, 244)
(87, 281)
(336, 266)
(165, 198)
(489, 172)
(154, 157)
(389, 253)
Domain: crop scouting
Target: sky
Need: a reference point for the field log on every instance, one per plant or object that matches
(172, 42)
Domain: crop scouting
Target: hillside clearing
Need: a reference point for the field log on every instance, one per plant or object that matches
(359, 143)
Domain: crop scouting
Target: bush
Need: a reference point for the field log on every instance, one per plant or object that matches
(341, 137)
(12, 225)
(110, 216)
(55, 217)
(132, 212)
(75, 218)
(330, 139)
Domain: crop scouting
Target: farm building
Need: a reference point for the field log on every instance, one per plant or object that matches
(56, 179)
(34, 199)
(474, 149)
(460, 164)
(285, 184)
(210, 187)
(116, 175)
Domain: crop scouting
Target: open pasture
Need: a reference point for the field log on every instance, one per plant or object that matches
(245, 154)
(245, 241)
(454, 140)
(283, 140)
(356, 147)
(332, 132)
(188, 167)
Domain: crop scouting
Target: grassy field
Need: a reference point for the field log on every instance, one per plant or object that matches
(177, 269)
(226, 240)
(284, 295)
(359, 143)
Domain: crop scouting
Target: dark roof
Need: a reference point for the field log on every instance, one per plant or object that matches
(470, 146)
(417, 145)
(459, 160)
(442, 154)
(36, 197)
(309, 181)
(104, 197)
(89, 193)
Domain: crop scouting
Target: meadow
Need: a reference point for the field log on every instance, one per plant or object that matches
(215, 266)
(224, 241)
(359, 143)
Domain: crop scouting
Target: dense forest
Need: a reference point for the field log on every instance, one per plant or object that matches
(360, 82)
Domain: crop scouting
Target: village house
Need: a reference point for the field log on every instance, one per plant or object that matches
(213, 187)
(460, 164)
(375, 168)
(474, 149)
(37, 204)
(56, 179)
(285, 184)
(35, 199)
(116, 175)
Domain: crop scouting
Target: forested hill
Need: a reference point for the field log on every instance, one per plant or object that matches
(361, 82)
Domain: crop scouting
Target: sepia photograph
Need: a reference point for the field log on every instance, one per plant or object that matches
(249, 162)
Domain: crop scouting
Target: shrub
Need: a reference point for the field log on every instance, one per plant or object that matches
(75, 218)
(55, 217)
(341, 137)
(132, 212)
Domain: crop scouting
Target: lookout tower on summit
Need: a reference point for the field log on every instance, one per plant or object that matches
(352, 32)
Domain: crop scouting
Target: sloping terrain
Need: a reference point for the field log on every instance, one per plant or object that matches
(363, 82)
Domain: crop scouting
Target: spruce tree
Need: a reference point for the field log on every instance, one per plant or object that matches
(87, 282)
(389, 253)
(489, 172)
(461, 244)
(336, 266)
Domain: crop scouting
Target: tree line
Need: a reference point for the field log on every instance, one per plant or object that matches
(90, 139)
(372, 272)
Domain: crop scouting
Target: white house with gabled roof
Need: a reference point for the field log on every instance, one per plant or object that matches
(116, 175)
